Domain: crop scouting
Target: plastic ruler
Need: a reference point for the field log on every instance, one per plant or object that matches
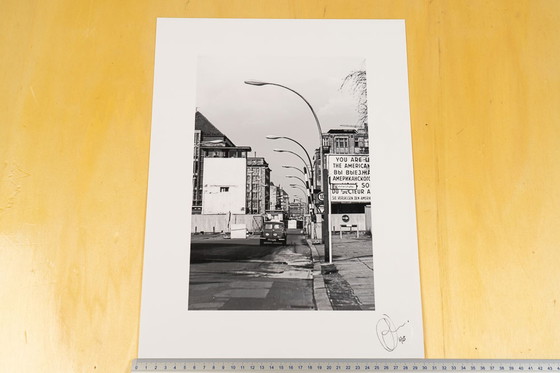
(335, 365)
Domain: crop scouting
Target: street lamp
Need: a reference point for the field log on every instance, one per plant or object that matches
(260, 84)
(295, 168)
(297, 186)
(300, 179)
(304, 168)
(270, 137)
(326, 232)
(291, 152)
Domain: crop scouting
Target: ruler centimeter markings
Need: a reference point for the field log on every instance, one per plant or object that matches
(334, 365)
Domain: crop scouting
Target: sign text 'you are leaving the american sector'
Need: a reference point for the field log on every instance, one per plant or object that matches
(349, 178)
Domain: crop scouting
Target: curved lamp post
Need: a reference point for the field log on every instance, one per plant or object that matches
(298, 187)
(259, 84)
(326, 233)
(270, 137)
(295, 168)
(304, 168)
(299, 178)
(291, 152)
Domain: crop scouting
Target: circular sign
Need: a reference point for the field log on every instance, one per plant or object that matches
(345, 218)
(321, 196)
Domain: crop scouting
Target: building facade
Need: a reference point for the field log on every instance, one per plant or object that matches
(273, 197)
(211, 143)
(284, 199)
(278, 198)
(258, 185)
(224, 186)
(340, 141)
(346, 141)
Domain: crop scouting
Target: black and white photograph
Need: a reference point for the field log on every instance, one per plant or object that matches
(280, 194)
(281, 202)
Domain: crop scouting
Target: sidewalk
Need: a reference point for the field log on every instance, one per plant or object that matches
(352, 287)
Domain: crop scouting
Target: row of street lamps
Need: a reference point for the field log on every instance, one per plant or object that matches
(310, 186)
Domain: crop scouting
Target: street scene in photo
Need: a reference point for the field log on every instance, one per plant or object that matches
(281, 185)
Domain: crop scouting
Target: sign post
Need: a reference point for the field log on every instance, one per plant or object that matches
(348, 181)
(328, 245)
(326, 214)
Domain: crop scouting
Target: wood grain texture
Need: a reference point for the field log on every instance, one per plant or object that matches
(75, 111)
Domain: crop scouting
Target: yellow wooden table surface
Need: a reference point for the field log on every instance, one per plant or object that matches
(75, 111)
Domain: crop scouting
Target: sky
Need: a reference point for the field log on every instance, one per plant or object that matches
(247, 114)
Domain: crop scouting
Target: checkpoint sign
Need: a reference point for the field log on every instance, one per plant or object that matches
(349, 178)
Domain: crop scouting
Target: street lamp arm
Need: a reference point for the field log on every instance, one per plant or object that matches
(295, 168)
(303, 98)
(295, 177)
(298, 187)
(291, 152)
(297, 142)
(257, 83)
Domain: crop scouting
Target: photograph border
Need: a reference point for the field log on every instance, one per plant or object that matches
(167, 329)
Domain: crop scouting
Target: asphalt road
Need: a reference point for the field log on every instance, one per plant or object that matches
(219, 249)
(236, 274)
(216, 248)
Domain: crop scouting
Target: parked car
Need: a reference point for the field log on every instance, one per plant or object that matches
(273, 231)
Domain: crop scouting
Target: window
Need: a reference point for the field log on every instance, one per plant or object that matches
(224, 189)
(341, 145)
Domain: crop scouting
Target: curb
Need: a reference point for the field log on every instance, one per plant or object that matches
(319, 287)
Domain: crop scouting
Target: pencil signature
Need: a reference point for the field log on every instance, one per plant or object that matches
(388, 334)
